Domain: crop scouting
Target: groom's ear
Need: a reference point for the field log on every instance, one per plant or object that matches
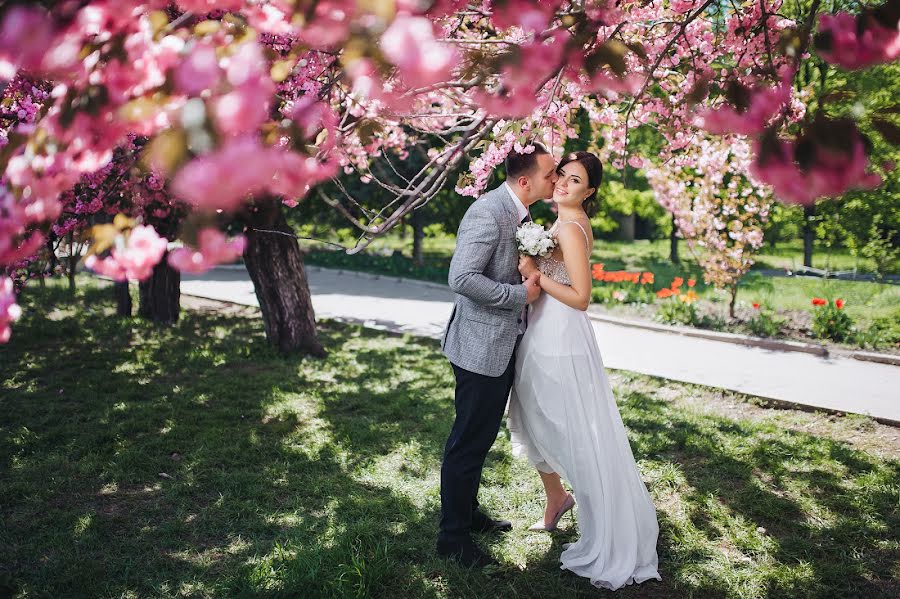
(523, 182)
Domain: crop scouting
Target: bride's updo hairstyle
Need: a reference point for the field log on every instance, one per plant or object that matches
(594, 169)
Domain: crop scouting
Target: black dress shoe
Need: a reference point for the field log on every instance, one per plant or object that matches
(484, 523)
(466, 553)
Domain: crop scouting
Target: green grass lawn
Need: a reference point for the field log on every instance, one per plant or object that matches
(194, 461)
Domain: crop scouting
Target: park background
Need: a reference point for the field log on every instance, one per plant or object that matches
(155, 443)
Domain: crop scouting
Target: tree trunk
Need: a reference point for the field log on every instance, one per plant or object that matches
(123, 299)
(809, 213)
(51, 256)
(160, 294)
(673, 243)
(275, 264)
(734, 292)
(626, 226)
(417, 221)
(73, 262)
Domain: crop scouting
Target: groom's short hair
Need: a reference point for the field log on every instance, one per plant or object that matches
(518, 164)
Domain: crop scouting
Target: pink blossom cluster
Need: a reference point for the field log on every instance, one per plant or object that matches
(854, 43)
(831, 173)
(410, 44)
(213, 248)
(529, 15)
(764, 104)
(224, 178)
(9, 309)
(132, 257)
(516, 94)
(20, 236)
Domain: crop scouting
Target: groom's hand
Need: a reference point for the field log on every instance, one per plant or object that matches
(533, 287)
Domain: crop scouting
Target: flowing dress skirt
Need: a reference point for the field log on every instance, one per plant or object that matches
(563, 418)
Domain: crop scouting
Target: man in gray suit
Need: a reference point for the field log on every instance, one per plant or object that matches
(488, 319)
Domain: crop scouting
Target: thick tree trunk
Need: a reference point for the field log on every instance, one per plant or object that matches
(673, 243)
(123, 299)
(809, 213)
(418, 226)
(160, 295)
(275, 264)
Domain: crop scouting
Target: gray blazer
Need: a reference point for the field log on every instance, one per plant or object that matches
(484, 274)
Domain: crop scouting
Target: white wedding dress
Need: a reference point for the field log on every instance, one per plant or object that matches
(563, 418)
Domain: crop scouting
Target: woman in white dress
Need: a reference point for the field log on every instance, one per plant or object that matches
(562, 413)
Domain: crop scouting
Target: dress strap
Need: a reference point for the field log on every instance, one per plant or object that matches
(586, 238)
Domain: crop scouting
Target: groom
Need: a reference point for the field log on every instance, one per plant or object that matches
(489, 316)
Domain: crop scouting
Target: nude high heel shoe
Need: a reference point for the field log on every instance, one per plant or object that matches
(540, 526)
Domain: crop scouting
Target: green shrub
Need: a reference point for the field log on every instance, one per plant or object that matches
(830, 321)
(764, 323)
(882, 332)
(675, 311)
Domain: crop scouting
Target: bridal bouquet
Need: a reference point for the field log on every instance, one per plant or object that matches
(533, 240)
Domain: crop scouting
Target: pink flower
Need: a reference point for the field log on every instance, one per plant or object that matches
(856, 42)
(530, 15)
(830, 173)
(9, 310)
(133, 260)
(329, 27)
(213, 249)
(199, 71)
(244, 109)
(763, 103)
(312, 116)
(244, 168)
(25, 35)
(409, 43)
(224, 177)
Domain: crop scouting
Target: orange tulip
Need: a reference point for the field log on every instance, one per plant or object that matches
(691, 282)
(676, 282)
(664, 293)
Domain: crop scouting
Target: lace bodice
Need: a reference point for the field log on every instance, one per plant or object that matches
(553, 268)
(556, 268)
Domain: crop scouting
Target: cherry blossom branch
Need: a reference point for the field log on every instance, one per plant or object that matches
(650, 77)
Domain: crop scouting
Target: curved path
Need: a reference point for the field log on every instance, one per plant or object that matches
(401, 305)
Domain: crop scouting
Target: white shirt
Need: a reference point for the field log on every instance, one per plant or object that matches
(523, 211)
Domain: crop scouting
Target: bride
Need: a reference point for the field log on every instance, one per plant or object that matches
(562, 413)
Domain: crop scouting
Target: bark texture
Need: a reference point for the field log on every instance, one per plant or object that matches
(123, 299)
(160, 295)
(275, 263)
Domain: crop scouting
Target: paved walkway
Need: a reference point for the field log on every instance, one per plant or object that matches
(836, 382)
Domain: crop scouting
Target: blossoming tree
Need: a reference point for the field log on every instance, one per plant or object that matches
(249, 105)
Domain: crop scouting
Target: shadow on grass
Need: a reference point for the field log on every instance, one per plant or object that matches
(145, 460)
(827, 506)
(194, 460)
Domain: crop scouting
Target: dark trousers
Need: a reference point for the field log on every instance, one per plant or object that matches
(480, 403)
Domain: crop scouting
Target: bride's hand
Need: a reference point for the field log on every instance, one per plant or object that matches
(527, 266)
